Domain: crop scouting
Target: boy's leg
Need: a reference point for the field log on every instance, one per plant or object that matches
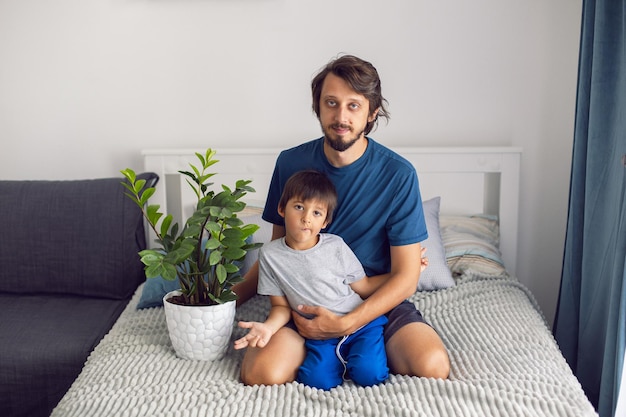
(365, 354)
(321, 367)
(276, 363)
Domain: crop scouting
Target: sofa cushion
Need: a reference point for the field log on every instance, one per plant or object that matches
(46, 340)
(70, 237)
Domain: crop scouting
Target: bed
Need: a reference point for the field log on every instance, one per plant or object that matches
(504, 360)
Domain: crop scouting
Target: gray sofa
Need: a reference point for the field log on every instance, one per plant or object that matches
(68, 267)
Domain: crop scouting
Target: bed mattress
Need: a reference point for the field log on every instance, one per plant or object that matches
(503, 356)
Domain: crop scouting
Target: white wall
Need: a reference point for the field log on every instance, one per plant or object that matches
(85, 85)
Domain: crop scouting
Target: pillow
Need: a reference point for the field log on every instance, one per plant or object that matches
(78, 237)
(155, 288)
(471, 243)
(437, 275)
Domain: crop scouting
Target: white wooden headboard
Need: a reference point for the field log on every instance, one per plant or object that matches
(469, 180)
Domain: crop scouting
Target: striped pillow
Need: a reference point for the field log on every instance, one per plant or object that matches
(471, 243)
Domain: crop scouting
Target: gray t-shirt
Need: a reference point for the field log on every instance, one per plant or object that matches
(319, 276)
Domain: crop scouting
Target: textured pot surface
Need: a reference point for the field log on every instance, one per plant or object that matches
(199, 332)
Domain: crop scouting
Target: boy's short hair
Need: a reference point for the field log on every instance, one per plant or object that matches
(310, 185)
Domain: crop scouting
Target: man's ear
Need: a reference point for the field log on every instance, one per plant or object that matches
(373, 116)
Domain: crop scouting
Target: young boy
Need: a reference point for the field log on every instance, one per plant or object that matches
(307, 267)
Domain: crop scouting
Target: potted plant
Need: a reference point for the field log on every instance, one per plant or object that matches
(204, 256)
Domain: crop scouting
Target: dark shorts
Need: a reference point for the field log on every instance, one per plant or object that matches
(405, 313)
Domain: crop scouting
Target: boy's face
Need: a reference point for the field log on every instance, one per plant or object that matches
(304, 219)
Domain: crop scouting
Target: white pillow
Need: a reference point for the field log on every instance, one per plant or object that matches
(437, 275)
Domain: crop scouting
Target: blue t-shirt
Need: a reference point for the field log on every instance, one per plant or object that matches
(379, 203)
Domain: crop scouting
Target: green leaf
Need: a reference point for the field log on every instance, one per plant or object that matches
(231, 268)
(165, 225)
(233, 242)
(217, 212)
(139, 185)
(226, 296)
(235, 279)
(153, 214)
(221, 273)
(234, 253)
(233, 233)
(129, 174)
(215, 257)
(248, 230)
(150, 256)
(201, 157)
(252, 246)
(192, 230)
(179, 255)
(148, 192)
(234, 222)
(130, 188)
(213, 227)
(213, 243)
(165, 270)
(243, 184)
(169, 272)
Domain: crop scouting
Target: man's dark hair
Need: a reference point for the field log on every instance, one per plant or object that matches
(310, 185)
(362, 77)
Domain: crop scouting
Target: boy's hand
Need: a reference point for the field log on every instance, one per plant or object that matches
(258, 336)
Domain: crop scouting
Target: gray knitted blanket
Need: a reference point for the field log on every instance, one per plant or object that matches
(504, 363)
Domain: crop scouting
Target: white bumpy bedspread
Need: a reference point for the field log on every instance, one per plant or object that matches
(504, 363)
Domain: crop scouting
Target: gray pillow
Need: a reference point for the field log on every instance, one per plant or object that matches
(437, 276)
(71, 237)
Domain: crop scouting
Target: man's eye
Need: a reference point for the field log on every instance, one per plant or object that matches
(354, 106)
(331, 103)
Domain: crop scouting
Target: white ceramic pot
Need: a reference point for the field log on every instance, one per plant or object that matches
(199, 332)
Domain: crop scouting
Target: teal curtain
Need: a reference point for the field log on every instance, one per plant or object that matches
(590, 322)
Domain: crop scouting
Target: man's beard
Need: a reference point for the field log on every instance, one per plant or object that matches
(336, 142)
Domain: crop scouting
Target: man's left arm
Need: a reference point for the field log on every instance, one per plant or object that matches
(400, 284)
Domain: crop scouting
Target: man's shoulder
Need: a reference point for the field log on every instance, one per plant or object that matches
(303, 148)
(384, 155)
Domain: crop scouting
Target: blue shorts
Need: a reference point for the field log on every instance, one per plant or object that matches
(360, 357)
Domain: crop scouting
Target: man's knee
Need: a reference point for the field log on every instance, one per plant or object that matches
(417, 350)
(435, 365)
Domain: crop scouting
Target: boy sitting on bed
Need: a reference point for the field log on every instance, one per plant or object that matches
(307, 267)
